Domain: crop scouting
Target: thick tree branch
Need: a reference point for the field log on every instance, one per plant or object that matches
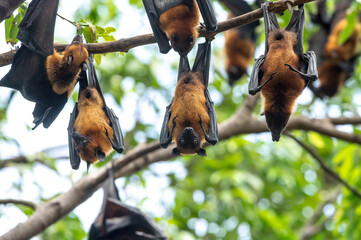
(125, 44)
(328, 170)
(21, 202)
(136, 159)
(7, 7)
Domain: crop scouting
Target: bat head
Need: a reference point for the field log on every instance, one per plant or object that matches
(276, 123)
(189, 142)
(76, 55)
(235, 73)
(182, 44)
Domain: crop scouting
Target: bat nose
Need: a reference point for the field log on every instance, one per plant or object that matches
(188, 129)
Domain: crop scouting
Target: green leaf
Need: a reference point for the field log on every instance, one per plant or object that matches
(110, 29)
(8, 25)
(108, 38)
(98, 58)
(346, 33)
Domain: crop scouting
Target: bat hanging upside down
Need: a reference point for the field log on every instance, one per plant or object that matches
(93, 129)
(284, 71)
(41, 74)
(177, 20)
(190, 119)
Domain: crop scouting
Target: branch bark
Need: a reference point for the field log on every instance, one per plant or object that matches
(125, 44)
(139, 158)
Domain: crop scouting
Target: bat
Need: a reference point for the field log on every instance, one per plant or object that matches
(93, 129)
(117, 220)
(7, 7)
(190, 119)
(283, 71)
(177, 20)
(38, 72)
(336, 62)
(239, 42)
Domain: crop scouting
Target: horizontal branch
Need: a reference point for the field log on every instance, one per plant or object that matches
(30, 204)
(21, 160)
(125, 44)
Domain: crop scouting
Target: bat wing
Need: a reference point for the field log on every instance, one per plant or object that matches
(36, 31)
(209, 18)
(270, 22)
(256, 76)
(240, 7)
(73, 154)
(308, 68)
(117, 142)
(129, 221)
(296, 25)
(165, 134)
(183, 66)
(203, 60)
(212, 137)
(153, 17)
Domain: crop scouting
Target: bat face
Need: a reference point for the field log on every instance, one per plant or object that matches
(276, 123)
(188, 141)
(332, 76)
(179, 24)
(76, 55)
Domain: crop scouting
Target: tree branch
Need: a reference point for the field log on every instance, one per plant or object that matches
(125, 44)
(21, 160)
(328, 170)
(136, 159)
(29, 204)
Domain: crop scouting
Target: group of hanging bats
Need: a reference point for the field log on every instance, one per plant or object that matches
(48, 78)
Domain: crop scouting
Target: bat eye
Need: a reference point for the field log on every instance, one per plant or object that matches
(173, 39)
(191, 39)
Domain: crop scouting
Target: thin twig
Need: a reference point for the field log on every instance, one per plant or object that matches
(323, 165)
(73, 23)
(30, 204)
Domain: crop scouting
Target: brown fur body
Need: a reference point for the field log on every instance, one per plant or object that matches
(189, 102)
(239, 53)
(61, 75)
(331, 75)
(180, 25)
(91, 122)
(283, 89)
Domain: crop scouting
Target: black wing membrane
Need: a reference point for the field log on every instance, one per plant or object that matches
(36, 31)
(165, 134)
(202, 64)
(296, 25)
(270, 22)
(207, 12)
(118, 143)
(73, 154)
(256, 76)
(120, 221)
(183, 66)
(153, 17)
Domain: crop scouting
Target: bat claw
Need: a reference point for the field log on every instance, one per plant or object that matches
(289, 6)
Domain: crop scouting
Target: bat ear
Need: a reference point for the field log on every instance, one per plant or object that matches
(202, 152)
(176, 152)
(70, 59)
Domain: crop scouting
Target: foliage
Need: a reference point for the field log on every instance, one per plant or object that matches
(248, 187)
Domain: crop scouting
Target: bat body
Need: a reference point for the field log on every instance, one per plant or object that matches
(336, 62)
(93, 129)
(239, 42)
(284, 71)
(177, 20)
(120, 221)
(190, 119)
(39, 73)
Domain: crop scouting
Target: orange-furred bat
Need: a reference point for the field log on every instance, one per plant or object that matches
(239, 42)
(177, 20)
(284, 71)
(42, 75)
(336, 62)
(93, 129)
(190, 119)
(117, 220)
